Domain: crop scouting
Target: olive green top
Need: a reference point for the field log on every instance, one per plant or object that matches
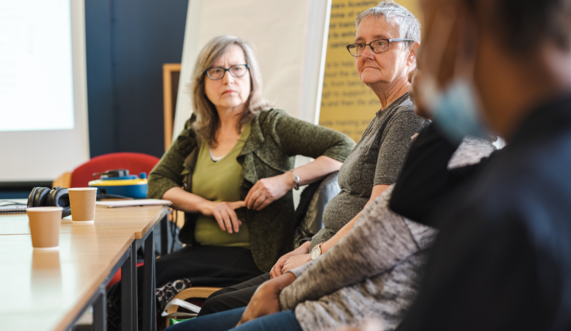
(219, 181)
(275, 139)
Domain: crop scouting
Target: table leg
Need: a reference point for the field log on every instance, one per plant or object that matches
(149, 293)
(154, 308)
(165, 235)
(135, 288)
(129, 290)
(100, 311)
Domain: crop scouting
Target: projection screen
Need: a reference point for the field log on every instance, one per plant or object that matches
(43, 97)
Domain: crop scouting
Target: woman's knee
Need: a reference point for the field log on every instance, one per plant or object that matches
(221, 291)
(215, 303)
(227, 300)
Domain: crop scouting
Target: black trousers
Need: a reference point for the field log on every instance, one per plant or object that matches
(212, 266)
(231, 297)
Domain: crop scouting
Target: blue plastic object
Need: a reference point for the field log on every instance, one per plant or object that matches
(131, 191)
(122, 177)
(128, 186)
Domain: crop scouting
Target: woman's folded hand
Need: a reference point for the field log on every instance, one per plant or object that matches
(268, 190)
(295, 261)
(277, 268)
(224, 214)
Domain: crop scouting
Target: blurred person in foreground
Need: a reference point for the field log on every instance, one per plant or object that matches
(501, 260)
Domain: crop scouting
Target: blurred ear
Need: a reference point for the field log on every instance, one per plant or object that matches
(411, 61)
(411, 75)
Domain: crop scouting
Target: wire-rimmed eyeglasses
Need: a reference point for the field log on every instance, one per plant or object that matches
(377, 46)
(217, 73)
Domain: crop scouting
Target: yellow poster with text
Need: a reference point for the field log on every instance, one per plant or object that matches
(347, 105)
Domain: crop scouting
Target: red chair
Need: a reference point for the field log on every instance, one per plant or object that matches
(134, 162)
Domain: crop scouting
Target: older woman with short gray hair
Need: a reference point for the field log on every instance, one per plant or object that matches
(386, 41)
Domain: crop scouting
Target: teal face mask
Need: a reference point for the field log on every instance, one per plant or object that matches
(456, 111)
(455, 107)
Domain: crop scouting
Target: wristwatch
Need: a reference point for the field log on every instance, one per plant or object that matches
(316, 252)
(295, 180)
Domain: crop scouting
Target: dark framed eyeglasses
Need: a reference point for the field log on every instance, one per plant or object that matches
(217, 73)
(377, 46)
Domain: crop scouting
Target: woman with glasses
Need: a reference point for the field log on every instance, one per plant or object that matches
(387, 38)
(383, 61)
(232, 172)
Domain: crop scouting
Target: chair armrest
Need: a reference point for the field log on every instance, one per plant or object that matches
(63, 181)
(312, 215)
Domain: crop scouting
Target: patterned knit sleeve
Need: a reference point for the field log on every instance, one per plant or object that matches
(300, 270)
(379, 240)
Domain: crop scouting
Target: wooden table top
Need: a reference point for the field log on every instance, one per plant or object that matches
(134, 218)
(45, 290)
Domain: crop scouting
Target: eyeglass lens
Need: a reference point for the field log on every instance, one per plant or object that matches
(378, 46)
(235, 71)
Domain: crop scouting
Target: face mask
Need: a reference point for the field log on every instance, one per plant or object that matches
(456, 113)
(455, 108)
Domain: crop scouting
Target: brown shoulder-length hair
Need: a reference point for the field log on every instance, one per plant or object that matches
(207, 120)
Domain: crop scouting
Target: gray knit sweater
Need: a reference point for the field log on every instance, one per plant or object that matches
(387, 250)
(374, 270)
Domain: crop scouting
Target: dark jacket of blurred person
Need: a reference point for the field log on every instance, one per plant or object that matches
(502, 258)
(501, 261)
(430, 174)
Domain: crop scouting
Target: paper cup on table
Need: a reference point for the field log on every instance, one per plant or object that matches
(45, 223)
(82, 202)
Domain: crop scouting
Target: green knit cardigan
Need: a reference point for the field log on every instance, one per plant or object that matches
(270, 150)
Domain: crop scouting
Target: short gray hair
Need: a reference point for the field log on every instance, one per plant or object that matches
(207, 120)
(408, 24)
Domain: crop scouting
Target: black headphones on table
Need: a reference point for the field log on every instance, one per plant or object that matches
(44, 197)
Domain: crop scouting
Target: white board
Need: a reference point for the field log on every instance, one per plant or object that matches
(290, 42)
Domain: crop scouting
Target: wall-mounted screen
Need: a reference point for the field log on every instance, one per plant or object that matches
(36, 82)
(43, 103)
